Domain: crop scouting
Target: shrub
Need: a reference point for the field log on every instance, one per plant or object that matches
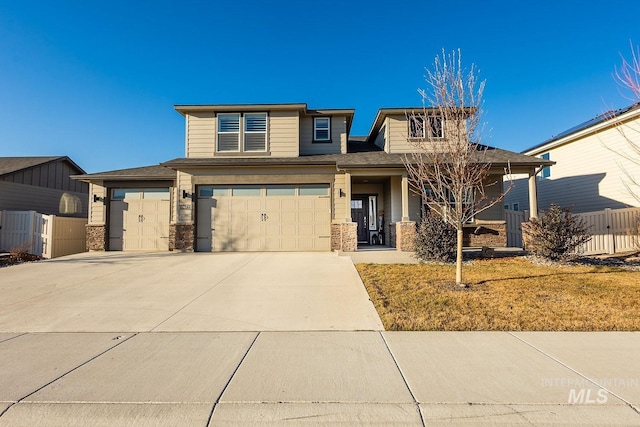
(21, 253)
(435, 239)
(555, 234)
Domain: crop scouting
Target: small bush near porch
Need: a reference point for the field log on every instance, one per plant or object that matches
(507, 294)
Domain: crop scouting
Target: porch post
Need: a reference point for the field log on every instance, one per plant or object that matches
(347, 190)
(533, 194)
(405, 197)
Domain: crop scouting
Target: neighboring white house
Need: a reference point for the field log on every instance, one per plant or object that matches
(589, 174)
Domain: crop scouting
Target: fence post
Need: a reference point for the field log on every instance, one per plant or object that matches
(610, 241)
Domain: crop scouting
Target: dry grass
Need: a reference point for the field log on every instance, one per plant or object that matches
(504, 294)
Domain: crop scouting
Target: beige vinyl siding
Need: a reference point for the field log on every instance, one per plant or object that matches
(98, 209)
(284, 136)
(184, 206)
(396, 199)
(338, 142)
(397, 131)
(588, 175)
(339, 203)
(201, 135)
(50, 201)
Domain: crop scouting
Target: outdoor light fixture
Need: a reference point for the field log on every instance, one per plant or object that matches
(342, 193)
(97, 198)
(186, 195)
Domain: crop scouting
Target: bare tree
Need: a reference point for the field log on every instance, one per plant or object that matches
(448, 167)
(628, 77)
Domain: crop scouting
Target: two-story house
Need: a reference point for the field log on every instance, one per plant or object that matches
(594, 165)
(278, 177)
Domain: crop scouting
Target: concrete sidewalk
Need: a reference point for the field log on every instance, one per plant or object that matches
(300, 378)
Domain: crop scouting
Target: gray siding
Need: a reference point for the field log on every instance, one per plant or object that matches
(15, 196)
(54, 175)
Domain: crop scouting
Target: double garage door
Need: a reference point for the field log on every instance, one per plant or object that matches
(263, 218)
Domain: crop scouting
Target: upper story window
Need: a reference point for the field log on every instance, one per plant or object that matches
(546, 171)
(419, 129)
(250, 129)
(255, 132)
(416, 127)
(228, 132)
(322, 129)
(435, 126)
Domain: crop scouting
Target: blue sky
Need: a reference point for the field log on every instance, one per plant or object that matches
(97, 81)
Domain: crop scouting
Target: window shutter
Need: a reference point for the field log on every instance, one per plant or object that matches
(228, 132)
(255, 132)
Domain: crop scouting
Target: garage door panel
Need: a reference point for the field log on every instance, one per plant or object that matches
(139, 224)
(273, 219)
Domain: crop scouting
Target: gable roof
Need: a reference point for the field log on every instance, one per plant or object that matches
(9, 165)
(147, 173)
(599, 122)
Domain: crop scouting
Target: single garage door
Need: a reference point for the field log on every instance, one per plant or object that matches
(139, 220)
(264, 218)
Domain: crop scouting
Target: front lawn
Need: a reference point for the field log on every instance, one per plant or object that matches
(507, 294)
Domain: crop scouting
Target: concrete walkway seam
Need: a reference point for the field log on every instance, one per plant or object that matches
(12, 338)
(205, 292)
(67, 373)
(415, 401)
(629, 404)
(233, 374)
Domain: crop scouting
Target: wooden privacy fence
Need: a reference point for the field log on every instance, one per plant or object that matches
(48, 236)
(612, 230)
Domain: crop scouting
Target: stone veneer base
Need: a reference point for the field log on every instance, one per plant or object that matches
(96, 237)
(181, 237)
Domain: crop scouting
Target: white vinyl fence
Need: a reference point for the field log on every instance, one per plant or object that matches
(48, 236)
(613, 230)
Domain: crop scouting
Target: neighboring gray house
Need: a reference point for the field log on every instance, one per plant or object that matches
(43, 184)
(589, 174)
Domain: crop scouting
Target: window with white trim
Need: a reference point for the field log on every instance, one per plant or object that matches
(255, 132)
(416, 126)
(546, 171)
(420, 129)
(229, 132)
(322, 129)
(435, 127)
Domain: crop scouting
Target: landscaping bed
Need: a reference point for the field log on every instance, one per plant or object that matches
(507, 294)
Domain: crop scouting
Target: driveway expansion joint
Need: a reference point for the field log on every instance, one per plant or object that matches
(404, 379)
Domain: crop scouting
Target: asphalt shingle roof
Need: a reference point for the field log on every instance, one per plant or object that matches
(15, 164)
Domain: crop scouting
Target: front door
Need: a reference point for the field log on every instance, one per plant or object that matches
(360, 215)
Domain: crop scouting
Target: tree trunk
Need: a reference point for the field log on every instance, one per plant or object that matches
(459, 259)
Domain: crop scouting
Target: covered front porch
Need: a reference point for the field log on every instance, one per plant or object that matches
(381, 210)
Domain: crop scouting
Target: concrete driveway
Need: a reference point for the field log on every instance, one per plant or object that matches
(171, 292)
